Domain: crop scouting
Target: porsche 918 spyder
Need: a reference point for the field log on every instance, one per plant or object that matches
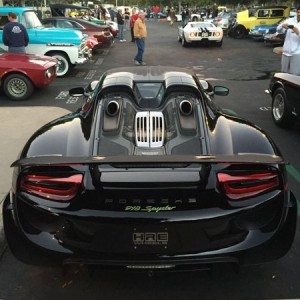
(150, 174)
(200, 32)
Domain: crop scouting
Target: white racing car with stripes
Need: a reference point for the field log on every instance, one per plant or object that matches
(200, 32)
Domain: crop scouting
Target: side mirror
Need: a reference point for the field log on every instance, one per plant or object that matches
(77, 92)
(221, 90)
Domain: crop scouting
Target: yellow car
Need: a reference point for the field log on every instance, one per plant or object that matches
(267, 15)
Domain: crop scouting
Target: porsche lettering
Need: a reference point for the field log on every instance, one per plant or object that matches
(149, 208)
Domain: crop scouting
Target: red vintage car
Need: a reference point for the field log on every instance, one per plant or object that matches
(21, 73)
(99, 33)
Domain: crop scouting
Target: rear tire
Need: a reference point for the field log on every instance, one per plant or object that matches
(281, 110)
(17, 87)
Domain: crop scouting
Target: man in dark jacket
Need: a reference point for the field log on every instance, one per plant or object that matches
(15, 35)
(120, 21)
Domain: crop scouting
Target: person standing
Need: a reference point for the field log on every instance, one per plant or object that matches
(120, 21)
(290, 59)
(112, 13)
(183, 17)
(155, 12)
(126, 18)
(133, 18)
(140, 33)
(172, 16)
(102, 12)
(15, 35)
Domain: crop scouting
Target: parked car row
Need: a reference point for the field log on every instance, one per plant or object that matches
(67, 46)
(56, 45)
(246, 20)
(99, 34)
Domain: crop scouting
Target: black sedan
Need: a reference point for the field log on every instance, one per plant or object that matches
(284, 89)
(149, 175)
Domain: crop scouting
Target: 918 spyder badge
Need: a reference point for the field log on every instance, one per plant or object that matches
(150, 238)
(149, 208)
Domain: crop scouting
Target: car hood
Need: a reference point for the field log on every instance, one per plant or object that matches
(295, 79)
(48, 35)
(20, 59)
(264, 27)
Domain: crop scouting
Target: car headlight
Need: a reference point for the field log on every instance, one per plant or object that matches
(217, 33)
(193, 34)
(48, 73)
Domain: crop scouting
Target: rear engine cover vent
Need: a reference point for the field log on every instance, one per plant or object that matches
(149, 129)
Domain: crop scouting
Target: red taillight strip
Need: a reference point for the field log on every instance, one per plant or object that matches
(58, 188)
(238, 187)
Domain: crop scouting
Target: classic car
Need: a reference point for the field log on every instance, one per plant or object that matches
(200, 15)
(224, 19)
(71, 10)
(274, 39)
(150, 174)
(266, 15)
(84, 13)
(21, 74)
(178, 18)
(259, 32)
(284, 89)
(67, 46)
(201, 33)
(160, 15)
(100, 33)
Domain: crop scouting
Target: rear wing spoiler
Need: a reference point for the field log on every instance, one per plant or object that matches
(57, 160)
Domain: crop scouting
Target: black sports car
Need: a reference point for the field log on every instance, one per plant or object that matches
(284, 89)
(149, 175)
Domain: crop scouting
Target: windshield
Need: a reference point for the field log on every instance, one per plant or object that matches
(201, 25)
(153, 91)
(30, 20)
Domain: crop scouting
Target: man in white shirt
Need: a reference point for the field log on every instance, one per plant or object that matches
(290, 61)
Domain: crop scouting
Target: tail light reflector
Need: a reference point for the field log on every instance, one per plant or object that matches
(57, 187)
(242, 186)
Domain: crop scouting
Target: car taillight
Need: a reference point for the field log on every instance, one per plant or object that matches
(90, 44)
(243, 186)
(57, 187)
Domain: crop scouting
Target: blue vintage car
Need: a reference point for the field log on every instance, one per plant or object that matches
(258, 32)
(68, 46)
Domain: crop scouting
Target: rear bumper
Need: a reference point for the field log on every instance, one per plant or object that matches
(46, 248)
(81, 60)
